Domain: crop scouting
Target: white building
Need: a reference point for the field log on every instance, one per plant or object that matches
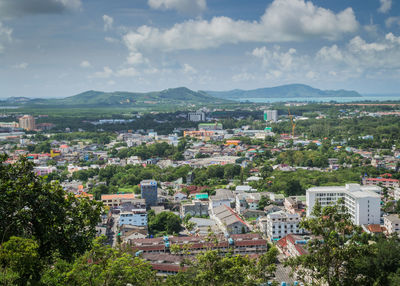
(362, 203)
(196, 116)
(135, 218)
(392, 223)
(279, 224)
(271, 115)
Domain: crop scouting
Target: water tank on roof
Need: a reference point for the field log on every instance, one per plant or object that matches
(231, 242)
(166, 238)
(138, 253)
(283, 283)
(167, 244)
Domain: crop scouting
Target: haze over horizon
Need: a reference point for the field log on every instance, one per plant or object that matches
(59, 48)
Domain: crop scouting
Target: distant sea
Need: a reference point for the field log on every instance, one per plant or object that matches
(363, 98)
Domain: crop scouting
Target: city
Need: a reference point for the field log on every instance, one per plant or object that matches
(199, 142)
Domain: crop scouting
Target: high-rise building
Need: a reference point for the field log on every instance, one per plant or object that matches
(196, 116)
(148, 190)
(271, 115)
(361, 202)
(27, 122)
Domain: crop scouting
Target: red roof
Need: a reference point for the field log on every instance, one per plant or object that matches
(382, 180)
(250, 242)
(120, 196)
(168, 267)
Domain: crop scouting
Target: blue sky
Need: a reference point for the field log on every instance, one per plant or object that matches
(58, 48)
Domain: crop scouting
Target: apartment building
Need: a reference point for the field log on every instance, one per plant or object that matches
(361, 202)
(279, 224)
(392, 223)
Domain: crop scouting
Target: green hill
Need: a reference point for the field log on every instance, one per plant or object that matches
(172, 96)
(287, 91)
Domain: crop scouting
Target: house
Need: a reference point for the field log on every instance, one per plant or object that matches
(392, 223)
(277, 198)
(115, 200)
(195, 208)
(222, 197)
(279, 224)
(228, 221)
(293, 245)
(180, 197)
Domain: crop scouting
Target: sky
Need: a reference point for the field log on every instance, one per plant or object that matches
(59, 48)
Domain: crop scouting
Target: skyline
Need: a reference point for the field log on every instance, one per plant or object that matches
(59, 48)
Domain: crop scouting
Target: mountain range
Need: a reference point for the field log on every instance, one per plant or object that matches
(284, 91)
(180, 96)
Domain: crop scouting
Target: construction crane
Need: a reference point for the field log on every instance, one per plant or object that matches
(292, 122)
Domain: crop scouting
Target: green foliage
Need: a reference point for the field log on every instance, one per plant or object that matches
(32, 208)
(102, 265)
(333, 253)
(20, 262)
(213, 268)
(164, 223)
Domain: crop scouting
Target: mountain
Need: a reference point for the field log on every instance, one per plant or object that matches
(286, 91)
(172, 96)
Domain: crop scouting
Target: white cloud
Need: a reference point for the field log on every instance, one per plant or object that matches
(357, 44)
(108, 22)
(188, 69)
(391, 21)
(386, 5)
(276, 59)
(244, 76)
(21, 66)
(85, 64)
(105, 73)
(183, 6)
(136, 58)
(283, 21)
(5, 36)
(111, 40)
(128, 72)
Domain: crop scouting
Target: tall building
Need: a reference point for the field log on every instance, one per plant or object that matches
(279, 224)
(197, 116)
(271, 115)
(27, 122)
(361, 202)
(148, 190)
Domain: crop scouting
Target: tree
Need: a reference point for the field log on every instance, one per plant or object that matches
(333, 253)
(165, 223)
(264, 201)
(19, 261)
(32, 208)
(213, 268)
(102, 265)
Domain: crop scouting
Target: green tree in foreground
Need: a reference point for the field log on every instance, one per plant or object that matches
(333, 255)
(212, 268)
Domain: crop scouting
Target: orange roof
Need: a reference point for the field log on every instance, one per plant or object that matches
(118, 196)
(85, 195)
(374, 228)
(64, 146)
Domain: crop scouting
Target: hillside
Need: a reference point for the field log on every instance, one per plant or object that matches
(172, 96)
(287, 91)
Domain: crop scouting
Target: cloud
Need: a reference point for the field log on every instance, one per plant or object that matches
(275, 58)
(283, 21)
(21, 66)
(85, 64)
(12, 8)
(127, 72)
(182, 6)
(108, 22)
(111, 40)
(391, 21)
(386, 5)
(188, 69)
(5, 36)
(105, 73)
(136, 58)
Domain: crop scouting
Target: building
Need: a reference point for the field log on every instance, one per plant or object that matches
(392, 223)
(136, 217)
(384, 182)
(293, 245)
(362, 203)
(210, 126)
(148, 190)
(196, 116)
(271, 115)
(222, 197)
(228, 221)
(27, 122)
(279, 224)
(115, 200)
(195, 208)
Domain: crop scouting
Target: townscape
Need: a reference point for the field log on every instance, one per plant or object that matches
(249, 186)
(199, 143)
